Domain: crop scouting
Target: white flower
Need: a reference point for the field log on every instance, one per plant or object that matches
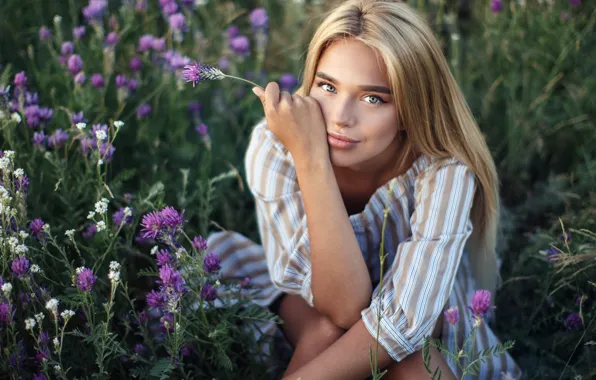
(91, 215)
(118, 123)
(101, 135)
(4, 162)
(114, 276)
(180, 252)
(81, 126)
(114, 266)
(99, 162)
(9, 154)
(29, 323)
(21, 249)
(19, 173)
(4, 194)
(46, 228)
(35, 268)
(101, 207)
(16, 117)
(217, 283)
(57, 19)
(39, 317)
(6, 289)
(13, 242)
(57, 368)
(67, 314)
(23, 235)
(154, 250)
(52, 305)
(70, 234)
(56, 344)
(127, 212)
(101, 226)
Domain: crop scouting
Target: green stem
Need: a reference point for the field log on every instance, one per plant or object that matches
(244, 80)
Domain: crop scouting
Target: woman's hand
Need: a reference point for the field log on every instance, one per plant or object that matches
(296, 121)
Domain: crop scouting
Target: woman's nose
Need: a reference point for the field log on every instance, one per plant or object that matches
(342, 113)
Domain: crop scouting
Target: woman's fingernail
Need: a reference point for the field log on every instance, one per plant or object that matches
(254, 90)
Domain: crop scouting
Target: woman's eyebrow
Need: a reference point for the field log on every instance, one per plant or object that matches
(380, 89)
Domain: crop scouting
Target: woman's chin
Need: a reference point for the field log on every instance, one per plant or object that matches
(341, 159)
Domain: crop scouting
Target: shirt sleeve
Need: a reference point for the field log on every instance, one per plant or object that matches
(271, 177)
(422, 275)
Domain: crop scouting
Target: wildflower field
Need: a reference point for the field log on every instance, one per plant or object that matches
(114, 170)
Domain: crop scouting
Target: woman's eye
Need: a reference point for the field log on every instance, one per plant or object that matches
(326, 87)
(374, 99)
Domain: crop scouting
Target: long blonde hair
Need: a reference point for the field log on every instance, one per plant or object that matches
(430, 106)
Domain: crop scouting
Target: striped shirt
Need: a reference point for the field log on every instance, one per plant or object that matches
(426, 268)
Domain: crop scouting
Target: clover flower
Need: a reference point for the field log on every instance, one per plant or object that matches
(78, 32)
(163, 257)
(177, 21)
(171, 278)
(152, 225)
(171, 218)
(6, 313)
(74, 64)
(20, 80)
(20, 266)
(240, 45)
(480, 303)
(202, 129)
(85, 279)
(80, 78)
(39, 376)
(112, 38)
(575, 3)
(97, 80)
(199, 243)
(143, 110)
(573, 321)
(44, 33)
(209, 293)
(22, 183)
(95, 9)
(90, 231)
(258, 18)
(155, 300)
(146, 42)
(288, 82)
(122, 216)
(496, 6)
(67, 48)
(58, 138)
(452, 315)
(211, 263)
(135, 64)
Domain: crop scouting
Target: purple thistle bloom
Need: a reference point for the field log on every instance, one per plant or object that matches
(177, 21)
(36, 228)
(197, 72)
(58, 138)
(152, 225)
(573, 322)
(240, 45)
(20, 80)
(575, 3)
(112, 38)
(209, 293)
(67, 48)
(163, 257)
(143, 110)
(118, 217)
(20, 266)
(135, 64)
(78, 32)
(90, 231)
(95, 9)
(6, 313)
(39, 376)
(74, 64)
(97, 80)
(171, 218)
(202, 129)
(39, 138)
(496, 6)
(258, 18)
(155, 300)
(132, 84)
(199, 243)
(211, 263)
(22, 183)
(121, 81)
(232, 31)
(146, 42)
(452, 315)
(481, 303)
(80, 78)
(288, 82)
(85, 280)
(44, 33)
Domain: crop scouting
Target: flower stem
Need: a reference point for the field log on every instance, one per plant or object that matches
(244, 80)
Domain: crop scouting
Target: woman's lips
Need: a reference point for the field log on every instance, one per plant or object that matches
(341, 142)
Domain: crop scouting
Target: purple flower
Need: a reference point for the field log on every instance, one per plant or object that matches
(95, 9)
(118, 217)
(211, 263)
(36, 228)
(20, 266)
(44, 33)
(141, 5)
(6, 313)
(209, 293)
(178, 61)
(452, 315)
(244, 283)
(186, 350)
(552, 255)
(139, 349)
(132, 84)
(197, 72)
(31, 98)
(171, 218)
(97, 80)
(199, 243)
(85, 280)
(152, 225)
(170, 8)
(155, 300)
(158, 44)
(22, 183)
(496, 6)
(481, 303)
(201, 129)
(106, 150)
(145, 42)
(58, 138)
(121, 80)
(24, 299)
(288, 81)
(258, 18)
(240, 45)
(575, 3)
(32, 115)
(135, 64)
(90, 231)
(39, 138)
(67, 48)
(80, 78)
(581, 300)
(177, 21)
(45, 113)
(20, 80)
(78, 32)
(195, 108)
(87, 145)
(566, 237)
(167, 322)
(39, 376)
(112, 38)
(75, 64)
(163, 257)
(143, 110)
(171, 278)
(232, 31)
(224, 63)
(573, 322)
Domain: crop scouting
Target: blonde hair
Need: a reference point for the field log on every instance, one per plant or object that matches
(430, 106)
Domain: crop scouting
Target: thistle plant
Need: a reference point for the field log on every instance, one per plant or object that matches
(199, 72)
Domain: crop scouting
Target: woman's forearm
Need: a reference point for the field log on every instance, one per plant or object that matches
(340, 281)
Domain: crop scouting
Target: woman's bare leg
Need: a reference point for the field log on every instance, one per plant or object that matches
(412, 367)
(309, 332)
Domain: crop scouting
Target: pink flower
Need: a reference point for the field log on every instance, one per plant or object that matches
(481, 303)
(452, 315)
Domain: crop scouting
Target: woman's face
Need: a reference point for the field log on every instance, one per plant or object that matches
(352, 89)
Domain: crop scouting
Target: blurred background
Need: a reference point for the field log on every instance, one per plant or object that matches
(526, 68)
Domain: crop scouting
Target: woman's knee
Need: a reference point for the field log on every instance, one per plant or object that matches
(413, 367)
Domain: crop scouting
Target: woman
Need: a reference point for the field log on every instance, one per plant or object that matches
(379, 122)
